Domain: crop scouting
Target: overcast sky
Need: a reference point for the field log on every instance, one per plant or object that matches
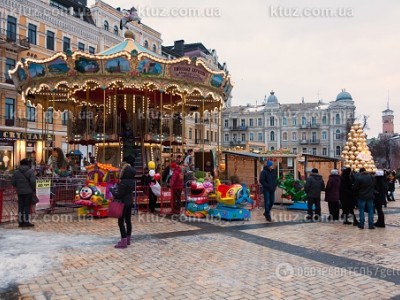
(301, 48)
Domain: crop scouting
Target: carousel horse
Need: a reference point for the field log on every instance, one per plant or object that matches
(129, 16)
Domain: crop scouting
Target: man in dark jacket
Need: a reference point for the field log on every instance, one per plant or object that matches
(268, 180)
(24, 180)
(347, 198)
(123, 192)
(313, 187)
(364, 187)
(381, 190)
(332, 195)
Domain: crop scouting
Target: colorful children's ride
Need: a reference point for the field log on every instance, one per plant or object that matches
(197, 199)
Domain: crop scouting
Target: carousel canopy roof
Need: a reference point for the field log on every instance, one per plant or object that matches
(183, 83)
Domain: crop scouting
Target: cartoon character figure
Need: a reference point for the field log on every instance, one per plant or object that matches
(198, 199)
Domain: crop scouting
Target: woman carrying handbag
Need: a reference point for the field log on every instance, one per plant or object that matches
(123, 192)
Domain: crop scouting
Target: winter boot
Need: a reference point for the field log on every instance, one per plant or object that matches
(128, 240)
(122, 244)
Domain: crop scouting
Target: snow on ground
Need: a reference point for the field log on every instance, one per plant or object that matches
(24, 254)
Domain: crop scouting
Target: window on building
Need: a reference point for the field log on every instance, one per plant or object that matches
(146, 44)
(65, 117)
(337, 134)
(58, 5)
(294, 136)
(106, 25)
(271, 121)
(294, 121)
(11, 29)
(324, 152)
(30, 113)
(272, 148)
(48, 117)
(260, 136)
(284, 121)
(259, 122)
(294, 150)
(251, 136)
(314, 136)
(81, 46)
(50, 40)
(324, 135)
(32, 31)
(272, 136)
(324, 120)
(154, 48)
(304, 136)
(226, 137)
(303, 121)
(66, 43)
(216, 136)
(190, 134)
(234, 137)
(226, 123)
(251, 124)
(314, 151)
(337, 151)
(242, 122)
(10, 65)
(313, 120)
(337, 119)
(92, 50)
(304, 150)
(284, 136)
(116, 30)
(207, 135)
(9, 111)
(243, 137)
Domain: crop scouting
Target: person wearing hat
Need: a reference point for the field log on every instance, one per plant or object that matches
(364, 188)
(314, 186)
(24, 181)
(381, 189)
(332, 192)
(269, 182)
(347, 198)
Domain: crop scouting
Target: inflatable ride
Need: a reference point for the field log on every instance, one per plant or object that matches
(93, 202)
(197, 199)
(232, 202)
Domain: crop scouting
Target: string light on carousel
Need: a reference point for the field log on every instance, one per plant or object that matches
(356, 154)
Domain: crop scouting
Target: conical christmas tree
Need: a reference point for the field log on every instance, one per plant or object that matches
(356, 153)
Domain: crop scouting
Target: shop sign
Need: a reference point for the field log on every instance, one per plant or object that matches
(25, 136)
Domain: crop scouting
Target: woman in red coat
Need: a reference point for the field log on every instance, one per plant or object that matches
(332, 192)
(176, 184)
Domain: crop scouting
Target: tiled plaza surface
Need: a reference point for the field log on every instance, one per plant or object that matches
(175, 259)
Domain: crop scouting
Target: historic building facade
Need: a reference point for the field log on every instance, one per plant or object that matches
(315, 128)
(38, 29)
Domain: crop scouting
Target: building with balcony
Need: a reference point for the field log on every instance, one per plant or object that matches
(315, 128)
(38, 29)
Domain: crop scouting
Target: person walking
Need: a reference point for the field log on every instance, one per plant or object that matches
(269, 182)
(381, 190)
(176, 184)
(24, 180)
(391, 186)
(314, 186)
(364, 187)
(347, 198)
(332, 192)
(123, 192)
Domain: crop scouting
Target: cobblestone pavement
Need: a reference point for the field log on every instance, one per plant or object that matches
(176, 259)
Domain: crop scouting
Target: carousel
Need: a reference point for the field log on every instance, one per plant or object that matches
(127, 102)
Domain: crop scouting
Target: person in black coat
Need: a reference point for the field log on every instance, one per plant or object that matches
(314, 186)
(123, 192)
(24, 181)
(269, 182)
(381, 190)
(347, 198)
(332, 195)
(364, 189)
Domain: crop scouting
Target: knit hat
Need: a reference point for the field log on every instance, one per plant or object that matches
(379, 172)
(314, 171)
(173, 165)
(269, 163)
(335, 172)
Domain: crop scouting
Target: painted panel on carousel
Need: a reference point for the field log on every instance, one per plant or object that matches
(149, 67)
(21, 74)
(118, 65)
(216, 80)
(58, 66)
(188, 72)
(36, 70)
(84, 65)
